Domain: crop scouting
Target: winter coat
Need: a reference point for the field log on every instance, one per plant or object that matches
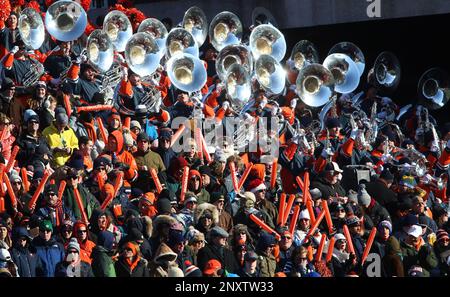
(341, 263)
(49, 254)
(28, 145)
(225, 221)
(211, 251)
(85, 269)
(392, 262)
(379, 191)
(425, 257)
(267, 265)
(328, 190)
(65, 139)
(124, 270)
(102, 264)
(150, 159)
(377, 213)
(89, 201)
(25, 260)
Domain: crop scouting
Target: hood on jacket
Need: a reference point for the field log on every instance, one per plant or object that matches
(176, 164)
(193, 173)
(158, 223)
(258, 171)
(202, 209)
(164, 254)
(119, 139)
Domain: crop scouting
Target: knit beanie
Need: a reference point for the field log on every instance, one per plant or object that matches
(363, 196)
(73, 245)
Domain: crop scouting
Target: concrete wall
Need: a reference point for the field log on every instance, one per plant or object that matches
(295, 13)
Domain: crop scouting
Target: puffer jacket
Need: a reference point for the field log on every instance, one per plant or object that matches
(49, 254)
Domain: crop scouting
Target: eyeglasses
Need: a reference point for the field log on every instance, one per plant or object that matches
(128, 250)
(16, 183)
(101, 168)
(72, 252)
(263, 190)
(286, 237)
(51, 194)
(82, 231)
(73, 177)
(341, 210)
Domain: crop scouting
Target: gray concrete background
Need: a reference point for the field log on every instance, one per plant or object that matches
(294, 13)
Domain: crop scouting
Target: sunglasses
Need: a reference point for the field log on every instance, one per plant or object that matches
(82, 231)
(286, 237)
(16, 183)
(128, 250)
(101, 168)
(72, 252)
(73, 177)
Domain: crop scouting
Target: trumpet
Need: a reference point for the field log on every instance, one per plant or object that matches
(33, 74)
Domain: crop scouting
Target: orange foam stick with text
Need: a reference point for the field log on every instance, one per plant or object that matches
(107, 201)
(205, 149)
(287, 210)
(184, 183)
(102, 130)
(2, 169)
(348, 237)
(12, 159)
(177, 134)
(273, 173)
(67, 104)
(330, 249)
(155, 177)
(62, 187)
(93, 108)
(264, 226)
(26, 183)
(309, 207)
(294, 219)
(4, 132)
(39, 190)
(315, 225)
(245, 175)
(79, 202)
(369, 244)
(2, 205)
(100, 181)
(320, 248)
(327, 216)
(127, 122)
(198, 142)
(117, 209)
(10, 190)
(234, 177)
(282, 205)
(306, 194)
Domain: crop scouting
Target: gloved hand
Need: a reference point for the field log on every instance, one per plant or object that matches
(354, 133)
(263, 103)
(198, 102)
(80, 59)
(226, 105)
(293, 87)
(386, 158)
(293, 103)
(434, 146)
(120, 59)
(124, 73)
(327, 153)
(14, 50)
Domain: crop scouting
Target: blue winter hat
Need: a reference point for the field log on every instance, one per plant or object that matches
(385, 224)
(175, 237)
(27, 114)
(265, 240)
(106, 239)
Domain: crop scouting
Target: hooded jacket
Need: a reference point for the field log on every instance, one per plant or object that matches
(86, 246)
(56, 139)
(392, 261)
(49, 253)
(137, 267)
(201, 194)
(124, 156)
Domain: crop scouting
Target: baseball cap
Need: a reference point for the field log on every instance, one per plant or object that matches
(415, 231)
(333, 166)
(250, 256)
(46, 225)
(212, 266)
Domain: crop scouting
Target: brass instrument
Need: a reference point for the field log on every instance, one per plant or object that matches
(386, 72)
(142, 54)
(118, 28)
(352, 51)
(31, 28)
(270, 74)
(345, 72)
(303, 54)
(157, 29)
(65, 20)
(267, 40)
(434, 88)
(315, 85)
(186, 72)
(233, 54)
(225, 29)
(195, 22)
(100, 51)
(261, 15)
(238, 84)
(181, 41)
(33, 74)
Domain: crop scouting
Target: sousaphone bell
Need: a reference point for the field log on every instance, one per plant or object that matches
(65, 20)
(434, 88)
(157, 29)
(186, 72)
(304, 53)
(119, 30)
(238, 84)
(100, 51)
(345, 72)
(225, 29)
(233, 54)
(270, 74)
(385, 73)
(31, 28)
(181, 41)
(351, 50)
(195, 22)
(267, 40)
(261, 15)
(315, 85)
(142, 54)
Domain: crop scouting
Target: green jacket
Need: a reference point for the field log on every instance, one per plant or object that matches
(102, 264)
(89, 201)
(425, 257)
(150, 159)
(267, 265)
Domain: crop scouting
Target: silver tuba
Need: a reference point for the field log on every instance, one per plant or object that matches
(261, 15)
(157, 29)
(181, 41)
(195, 22)
(385, 73)
(351, 50)
(119, 30)
(142, 54)
(270, 74)
(225, 29)
(315, 85)
(304, 53)
(233, 54)
(65, 20)
(345, 72)
(186, 72)
(31, 28)
(238, 84)
(100, 51)
(267, 40)
(434, 88)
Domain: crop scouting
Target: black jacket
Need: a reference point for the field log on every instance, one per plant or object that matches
(379, 191)
(328, 190)
(123, 270)
(377, 213)
(210, 251)
(25, 260)
(85, 269)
